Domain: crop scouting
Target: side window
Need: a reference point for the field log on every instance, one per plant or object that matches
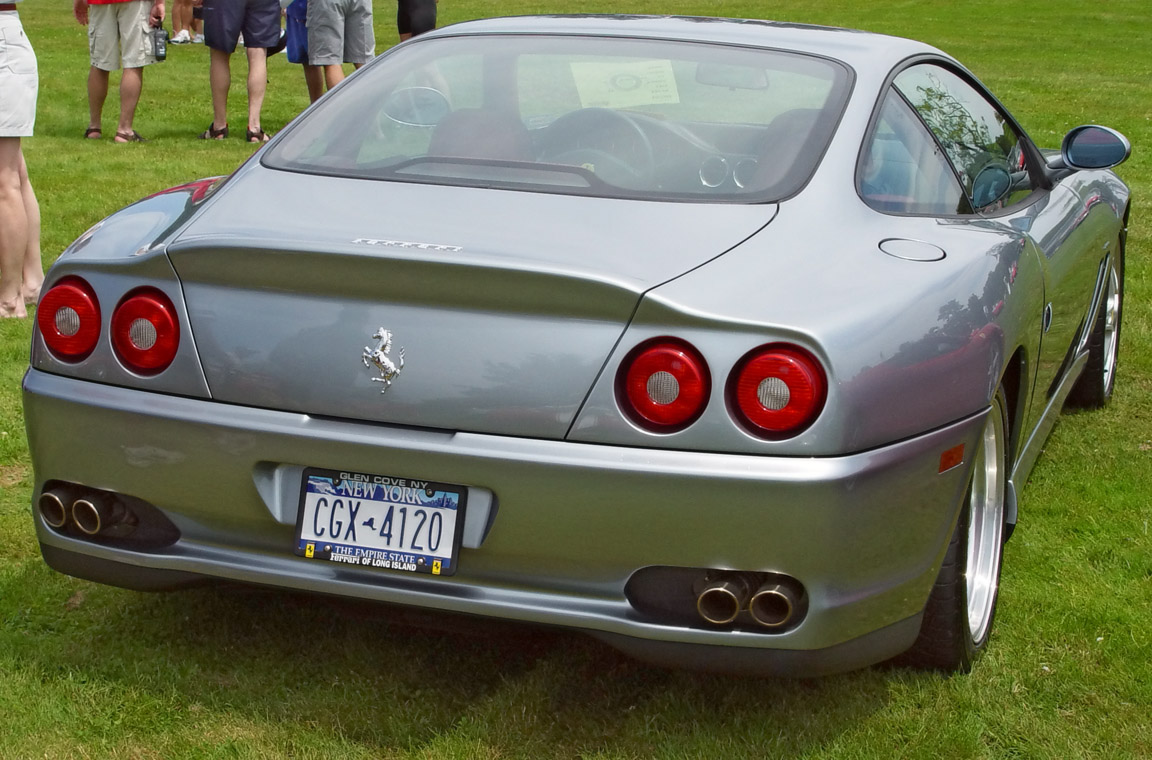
(903, 171)
(978, 138)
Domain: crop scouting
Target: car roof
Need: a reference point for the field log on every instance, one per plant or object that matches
(860, 50)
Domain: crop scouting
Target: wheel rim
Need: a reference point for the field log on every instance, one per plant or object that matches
(1111, 327)
(986, 526)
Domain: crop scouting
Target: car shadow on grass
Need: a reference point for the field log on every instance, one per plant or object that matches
(389, 680)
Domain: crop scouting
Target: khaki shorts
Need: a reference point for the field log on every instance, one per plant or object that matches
(120, 31)
(19, 80)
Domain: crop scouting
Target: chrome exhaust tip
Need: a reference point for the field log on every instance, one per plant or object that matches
(773, 605)
(721, 600)
(53, 507)
(95, 513)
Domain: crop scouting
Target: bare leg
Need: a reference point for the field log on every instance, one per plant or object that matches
(182, 16)
(33, 265)
(131, 82)
(314, 78)
(220, 78)
(14, 230)
(333, 74)
(97, 93)
(257, 84)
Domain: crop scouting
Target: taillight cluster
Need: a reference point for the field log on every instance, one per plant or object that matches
(144, 330)
(775, 391)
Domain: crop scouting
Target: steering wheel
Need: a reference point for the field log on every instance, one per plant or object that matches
(608, 143)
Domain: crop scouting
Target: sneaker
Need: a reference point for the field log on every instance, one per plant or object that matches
(182, 38)
(198, 39)
(240, 41)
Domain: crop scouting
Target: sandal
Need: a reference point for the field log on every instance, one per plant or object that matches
(128, 137)
(214, 134)
(257, 136)
(93, 131)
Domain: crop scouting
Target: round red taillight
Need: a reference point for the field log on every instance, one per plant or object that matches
(69, 319)
(145, 332)
(777, 390)
(664, 385)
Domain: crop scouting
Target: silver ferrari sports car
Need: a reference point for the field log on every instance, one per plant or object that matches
(730, 343)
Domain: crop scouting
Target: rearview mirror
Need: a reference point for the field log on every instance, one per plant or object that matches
(416, 106)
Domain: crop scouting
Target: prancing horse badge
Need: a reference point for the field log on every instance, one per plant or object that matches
(378, 357)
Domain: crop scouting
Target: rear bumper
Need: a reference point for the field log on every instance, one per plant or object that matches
(567, 526)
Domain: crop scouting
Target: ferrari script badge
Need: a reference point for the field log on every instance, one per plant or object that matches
(378, 357)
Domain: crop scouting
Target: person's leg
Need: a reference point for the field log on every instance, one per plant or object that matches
(359, 37)
(326, 39)
(314, 79)
(14, 230)
(133, 25)
(222, 21)
(131, 82)
(97, 93)
(333, 74)
(257, 84)
(261, 30)
(220, 77)
(181, 20)
(33, 264)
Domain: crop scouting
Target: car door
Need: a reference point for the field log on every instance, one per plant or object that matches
(999, 171)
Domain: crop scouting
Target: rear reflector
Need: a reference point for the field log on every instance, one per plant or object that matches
(69, 319)
(953, 457)
(777, 390)
(145, 332)
(663, 385)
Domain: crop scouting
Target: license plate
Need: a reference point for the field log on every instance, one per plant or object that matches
(380, 522)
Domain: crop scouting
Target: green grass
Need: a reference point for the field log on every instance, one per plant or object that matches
(94, 672)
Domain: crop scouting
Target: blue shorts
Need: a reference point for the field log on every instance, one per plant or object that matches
(297, 31)
(226, 20)
(297, 34)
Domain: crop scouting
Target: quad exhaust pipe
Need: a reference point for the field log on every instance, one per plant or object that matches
(95, 513)
(55, 506)
(722, 599)
(774, 604)
(772, 601)
(90, 512)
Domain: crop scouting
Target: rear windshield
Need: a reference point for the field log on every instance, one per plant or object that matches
(600, 116)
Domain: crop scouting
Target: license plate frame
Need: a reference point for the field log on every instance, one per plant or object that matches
(377, 507)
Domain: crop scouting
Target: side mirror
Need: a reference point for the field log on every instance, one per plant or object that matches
(1092, 147)
(991, 184)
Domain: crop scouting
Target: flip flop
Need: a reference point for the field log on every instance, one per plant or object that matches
(127, 137)
(214, 134)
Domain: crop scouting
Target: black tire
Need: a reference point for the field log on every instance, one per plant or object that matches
(1094, 388)
(962, 605)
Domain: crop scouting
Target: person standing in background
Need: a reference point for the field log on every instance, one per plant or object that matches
(340, 31)
(296, 39)
(118, 32)
(21, 271)
(224, 22)
(415, 17)
(185, 26)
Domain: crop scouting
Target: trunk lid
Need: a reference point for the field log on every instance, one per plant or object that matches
(505, 304)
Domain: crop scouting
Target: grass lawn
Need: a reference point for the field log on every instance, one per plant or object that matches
(89, 671)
